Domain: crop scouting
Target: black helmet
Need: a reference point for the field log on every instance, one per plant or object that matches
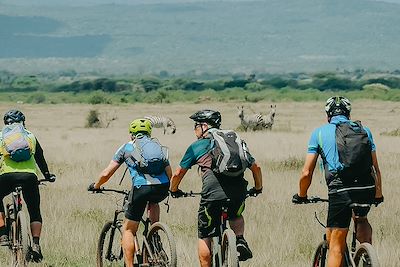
(13, 116)
(338, 105)
(209, 116)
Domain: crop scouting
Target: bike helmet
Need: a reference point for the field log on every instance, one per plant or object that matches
(209, 116)
(140, 126)
(338, 105)
(13, 116)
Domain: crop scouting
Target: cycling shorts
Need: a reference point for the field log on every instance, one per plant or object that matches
(339, 211)
(30, 191)
(140, 196)
(209, 215)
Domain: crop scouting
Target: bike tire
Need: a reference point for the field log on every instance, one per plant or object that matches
(366, 256)
(109, 241)
(229, 252)
(162, 245)
(320, 256)
(22, 241)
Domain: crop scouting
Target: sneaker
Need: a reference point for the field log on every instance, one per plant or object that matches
(4, 240)
(243, 249)
(36, 253)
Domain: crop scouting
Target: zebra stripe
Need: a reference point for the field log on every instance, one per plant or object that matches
(268, 120)
(251, 121)
(162, 122)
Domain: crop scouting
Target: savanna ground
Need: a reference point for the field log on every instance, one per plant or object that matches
(279, 233)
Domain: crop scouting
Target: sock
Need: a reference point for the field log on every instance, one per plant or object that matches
(3, 230)
(35, 240)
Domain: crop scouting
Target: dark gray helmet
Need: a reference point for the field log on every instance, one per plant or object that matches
(338, 105)
(211, 117)
(13, 116)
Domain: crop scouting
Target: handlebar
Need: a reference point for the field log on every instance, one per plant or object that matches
(316, 199)
(102, 190)
(193, 194)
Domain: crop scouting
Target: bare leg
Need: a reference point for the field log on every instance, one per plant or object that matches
(2, 216)
(237, 225)
(36, 229)
(364, 230)
(204, 250)
(128, 241)
(154, 212)
(337, 244)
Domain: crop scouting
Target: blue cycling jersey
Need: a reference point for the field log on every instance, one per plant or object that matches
(323, 142)
(124, 154)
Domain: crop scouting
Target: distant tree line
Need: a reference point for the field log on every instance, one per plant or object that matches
(70, 81)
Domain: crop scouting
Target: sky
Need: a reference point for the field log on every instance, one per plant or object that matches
(92, 2)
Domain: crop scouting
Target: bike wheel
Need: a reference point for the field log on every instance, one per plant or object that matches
(320, 255)
(162, 246)
(366, 256)
(109, 250)
(228, 249)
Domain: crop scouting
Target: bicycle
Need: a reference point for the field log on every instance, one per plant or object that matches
(223, 246)
(18, 228)
(358, 255)
(153, 251)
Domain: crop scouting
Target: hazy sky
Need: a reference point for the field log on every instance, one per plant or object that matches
(91, 2)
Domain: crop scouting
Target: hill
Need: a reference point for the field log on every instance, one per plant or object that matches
(268, 36)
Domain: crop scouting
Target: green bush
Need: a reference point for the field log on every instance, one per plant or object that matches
(37, 98)
(92, 119)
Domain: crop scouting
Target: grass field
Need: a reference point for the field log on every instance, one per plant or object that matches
(279, 233)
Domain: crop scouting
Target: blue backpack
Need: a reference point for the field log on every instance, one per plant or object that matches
(149, 155)
(16, 143)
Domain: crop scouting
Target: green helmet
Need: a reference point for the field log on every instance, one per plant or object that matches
(140, 126)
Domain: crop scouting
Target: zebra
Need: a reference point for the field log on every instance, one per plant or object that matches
(162, 122)
(252, 121)
(268, 120)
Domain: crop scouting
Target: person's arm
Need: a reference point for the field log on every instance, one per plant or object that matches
(377, 175)
(307, 173)
(257, 176)
(106, 174)
(177, 178)
(40, 160)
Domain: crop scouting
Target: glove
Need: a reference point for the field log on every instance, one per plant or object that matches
(50, 177)
(296, 199)
(378, 200)
(253, 192)
(92, 189)
(178, 193)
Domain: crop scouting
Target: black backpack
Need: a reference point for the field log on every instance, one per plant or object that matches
(228, 153)
(354, 149)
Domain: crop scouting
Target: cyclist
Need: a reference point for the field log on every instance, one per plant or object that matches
(146, 188)
(340, 193)
(13, 173)
(216, 188)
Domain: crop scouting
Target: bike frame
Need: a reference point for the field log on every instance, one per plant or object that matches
(217, 240)
(349, 253)
(117, 224)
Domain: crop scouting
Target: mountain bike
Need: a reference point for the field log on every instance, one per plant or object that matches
(157, 247)
(223, 246)
(18, 228)
(362, 254)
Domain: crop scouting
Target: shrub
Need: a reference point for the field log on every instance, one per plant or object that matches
(37, 98)
(93, 120)
(99, 99)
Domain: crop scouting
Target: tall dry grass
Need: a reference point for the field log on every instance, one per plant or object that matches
(279, 233)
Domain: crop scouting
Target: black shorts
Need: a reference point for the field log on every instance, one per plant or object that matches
(140, 196)
(209, 215)
(339, 211)
(30, 191)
